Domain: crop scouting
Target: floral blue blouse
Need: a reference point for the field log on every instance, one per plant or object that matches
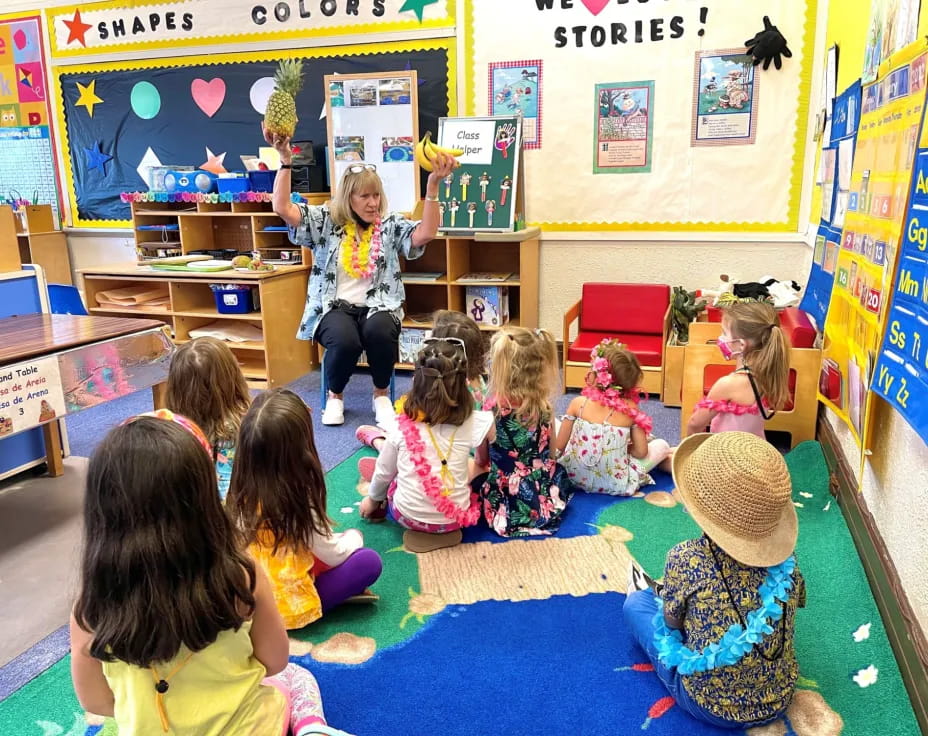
(318, 232)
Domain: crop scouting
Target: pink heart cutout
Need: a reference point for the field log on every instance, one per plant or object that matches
(595, 6)
(19, 38)
(208, 95)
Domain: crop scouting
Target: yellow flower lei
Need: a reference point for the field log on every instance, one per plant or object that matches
(355, 253)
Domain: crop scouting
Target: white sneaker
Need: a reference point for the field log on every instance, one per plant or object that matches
(334, 412)
(384, 414)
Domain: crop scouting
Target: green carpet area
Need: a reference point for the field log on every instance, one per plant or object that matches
(839, 601)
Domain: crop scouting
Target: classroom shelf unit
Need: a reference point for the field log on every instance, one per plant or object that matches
(164, 229)
(276, 360)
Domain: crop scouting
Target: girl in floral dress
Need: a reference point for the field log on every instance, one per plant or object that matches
(524, 492)
(603, 440)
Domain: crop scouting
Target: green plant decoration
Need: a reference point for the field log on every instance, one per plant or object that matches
(684, 309)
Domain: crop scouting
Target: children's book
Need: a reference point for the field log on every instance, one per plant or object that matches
(484, 276)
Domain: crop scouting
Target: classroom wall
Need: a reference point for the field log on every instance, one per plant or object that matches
(895, 479)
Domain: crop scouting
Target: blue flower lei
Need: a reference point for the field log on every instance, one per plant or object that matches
(737, 641)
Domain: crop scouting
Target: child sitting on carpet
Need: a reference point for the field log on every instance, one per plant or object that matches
(278, 501)
(447, 324)
(759, 387)
(608, 450)
(525, 492)
(206, 384)
(423, 470)
(720, 634)
(175, 629)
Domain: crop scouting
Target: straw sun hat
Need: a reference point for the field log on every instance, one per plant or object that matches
(737, 488)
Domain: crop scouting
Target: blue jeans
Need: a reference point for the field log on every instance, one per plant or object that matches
(639, 609)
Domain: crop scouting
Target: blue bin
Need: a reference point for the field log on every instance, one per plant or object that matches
(232, 298)
(262, 181)
(232, 184)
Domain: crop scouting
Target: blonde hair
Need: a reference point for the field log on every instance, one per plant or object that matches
(766, 349)
(524, 372)
(340, 208)
(206, 384)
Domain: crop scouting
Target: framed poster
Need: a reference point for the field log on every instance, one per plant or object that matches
(624, 128)
(515, 87)
(373, 119)
(724, 99)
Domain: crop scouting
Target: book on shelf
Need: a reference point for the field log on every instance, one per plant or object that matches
(475, 276)
(412, 276)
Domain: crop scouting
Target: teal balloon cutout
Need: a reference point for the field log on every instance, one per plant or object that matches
(145, 100)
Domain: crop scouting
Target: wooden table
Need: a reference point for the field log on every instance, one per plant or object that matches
(54, 365)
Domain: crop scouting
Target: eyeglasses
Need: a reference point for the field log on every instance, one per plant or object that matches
(452, 340)
(358, 168)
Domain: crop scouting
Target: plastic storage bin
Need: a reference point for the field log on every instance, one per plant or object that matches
(237, 183)
(234, 298)
(262, 181)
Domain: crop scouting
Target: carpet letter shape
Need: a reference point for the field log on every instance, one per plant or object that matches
(209, 96)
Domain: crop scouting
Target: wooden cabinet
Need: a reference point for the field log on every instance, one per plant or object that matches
(273, 361)
(38, 242)
(220, 229)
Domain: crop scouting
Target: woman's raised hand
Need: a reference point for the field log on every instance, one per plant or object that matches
(280, 142)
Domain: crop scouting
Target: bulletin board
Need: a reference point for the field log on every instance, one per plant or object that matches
(27, 145)
(119, 118)
(887, 142)
(483, 193)
(374, 119)
(751, 187)
(901, 375)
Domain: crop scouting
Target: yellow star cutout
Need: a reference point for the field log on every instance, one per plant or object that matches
(88, 96)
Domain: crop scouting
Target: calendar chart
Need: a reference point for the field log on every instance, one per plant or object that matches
(27, 159)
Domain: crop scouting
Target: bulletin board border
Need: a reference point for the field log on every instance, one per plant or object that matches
(797, 178)
(356, 29)
(447, 44)
(52, 108)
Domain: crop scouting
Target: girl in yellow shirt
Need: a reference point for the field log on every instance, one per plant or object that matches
(175, 630)
(277, 499)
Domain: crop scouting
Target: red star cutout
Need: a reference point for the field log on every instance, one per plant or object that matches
(77, 28)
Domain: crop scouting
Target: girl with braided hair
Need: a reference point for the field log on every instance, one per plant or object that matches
(423, 471)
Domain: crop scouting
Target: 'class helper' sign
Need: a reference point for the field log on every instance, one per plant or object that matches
(30, 395)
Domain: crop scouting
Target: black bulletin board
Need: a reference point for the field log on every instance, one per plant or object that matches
(180, 132)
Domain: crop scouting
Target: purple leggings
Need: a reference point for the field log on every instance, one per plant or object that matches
(350, 578)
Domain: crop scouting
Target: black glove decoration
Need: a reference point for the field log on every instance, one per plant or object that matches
(768, 45)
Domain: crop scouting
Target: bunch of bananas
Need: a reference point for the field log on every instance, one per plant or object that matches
(426, 152)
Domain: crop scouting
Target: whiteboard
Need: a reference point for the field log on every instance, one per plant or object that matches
(374, 119)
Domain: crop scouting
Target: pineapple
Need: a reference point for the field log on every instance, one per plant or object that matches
(280, 116)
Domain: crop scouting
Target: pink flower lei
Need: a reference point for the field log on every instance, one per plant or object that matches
(601, 388)
(430, 482)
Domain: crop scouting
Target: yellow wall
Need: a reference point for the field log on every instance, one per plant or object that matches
(848, 23)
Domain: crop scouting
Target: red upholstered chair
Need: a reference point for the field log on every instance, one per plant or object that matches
(703, 365)
(635, 314)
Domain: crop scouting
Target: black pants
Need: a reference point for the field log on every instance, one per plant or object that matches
(345, 331)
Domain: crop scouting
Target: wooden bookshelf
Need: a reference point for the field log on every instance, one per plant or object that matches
(276, 360)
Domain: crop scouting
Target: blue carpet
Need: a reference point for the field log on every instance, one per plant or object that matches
(536, 667)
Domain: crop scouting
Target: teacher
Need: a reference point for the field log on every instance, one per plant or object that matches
(355, 294)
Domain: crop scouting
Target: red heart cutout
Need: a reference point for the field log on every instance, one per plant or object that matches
(595, 6)
(209, 95)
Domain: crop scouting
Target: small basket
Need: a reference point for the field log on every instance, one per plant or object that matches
(233, 184)
(235, 298)
(262, 181)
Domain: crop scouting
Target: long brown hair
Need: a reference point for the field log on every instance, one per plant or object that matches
(766, 349)
(439, 393)
(278, 486)
(457, 324)
(206, 384)
(523, 372)
(160, 565)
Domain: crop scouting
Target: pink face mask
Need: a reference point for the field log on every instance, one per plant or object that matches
(725, 347)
